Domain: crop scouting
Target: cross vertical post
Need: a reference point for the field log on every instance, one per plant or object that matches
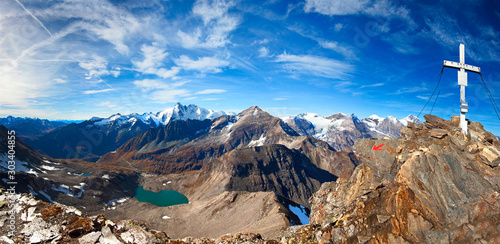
(462, 82)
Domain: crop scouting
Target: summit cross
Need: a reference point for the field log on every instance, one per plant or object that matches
(462, 82)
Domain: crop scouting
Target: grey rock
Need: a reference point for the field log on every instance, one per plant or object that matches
(40, 231)
(108, 237)
(90, 238)
(137, 235)
(6, 240)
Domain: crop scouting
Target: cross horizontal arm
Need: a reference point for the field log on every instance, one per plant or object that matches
(467, 67)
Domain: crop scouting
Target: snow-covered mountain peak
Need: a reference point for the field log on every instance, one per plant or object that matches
(410, 118)
(374, 117)
(178, 112)
(392, 119)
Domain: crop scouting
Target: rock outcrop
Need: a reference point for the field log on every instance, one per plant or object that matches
(26, 220)
(433, 185)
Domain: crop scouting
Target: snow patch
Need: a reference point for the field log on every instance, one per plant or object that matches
(48, 162)
(105, 176)
(31, 171)
(20, 165)
(165, 217)
(116, 201)
(64, 189)
(257, 143)
(255, 112)
(47, 167)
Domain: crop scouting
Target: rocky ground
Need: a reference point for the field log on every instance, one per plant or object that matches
(433, 185)
(36, 221)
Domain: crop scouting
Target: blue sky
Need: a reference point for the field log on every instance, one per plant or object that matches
(84, 58)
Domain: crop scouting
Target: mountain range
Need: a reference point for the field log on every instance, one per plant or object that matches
(90, 139)
(341, 131)
(30, 129)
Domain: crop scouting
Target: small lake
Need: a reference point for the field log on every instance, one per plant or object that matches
(161, 199)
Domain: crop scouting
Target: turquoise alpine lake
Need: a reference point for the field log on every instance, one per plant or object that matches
(161, 199)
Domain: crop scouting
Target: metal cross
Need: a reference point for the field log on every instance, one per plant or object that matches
(462, 82)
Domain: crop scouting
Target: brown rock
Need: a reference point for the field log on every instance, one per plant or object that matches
(491, 156)
(437, 186)
(438, 133)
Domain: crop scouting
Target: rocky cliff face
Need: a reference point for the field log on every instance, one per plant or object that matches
(433, 185)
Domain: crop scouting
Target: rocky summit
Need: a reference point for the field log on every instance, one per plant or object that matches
(432, 185)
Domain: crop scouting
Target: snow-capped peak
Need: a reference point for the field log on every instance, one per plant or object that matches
(178, 112)
(411, 118)
(392, 119)
(374, 117)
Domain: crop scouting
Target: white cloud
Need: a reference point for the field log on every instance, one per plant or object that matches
(97, 91)
(263, 52)
(153, 57)
(149, 84)
(217, 24)
(280, 99)
(102, 19)
(448, 32)
(261, 42)
(351, 7)
(190, 40)
(212, 10)
(108, 104)
(96, 67)
(338, 26)
(372, 85)
(60, 81)
(169, 95)
(342, 49)
(153, 60)
(447, 94)
(410, 90)
(203, 65)
(335, 46)
(314, 65)
(162, 92)
(21, 84)
(211, 91)
(211, 99)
